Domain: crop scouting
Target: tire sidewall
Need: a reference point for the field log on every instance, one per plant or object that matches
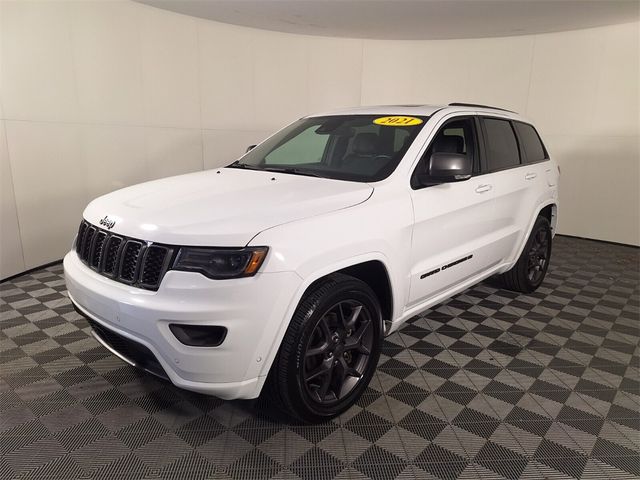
(348, 290)
(541, 223)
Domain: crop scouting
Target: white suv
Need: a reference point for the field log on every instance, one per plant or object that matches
(286, 268)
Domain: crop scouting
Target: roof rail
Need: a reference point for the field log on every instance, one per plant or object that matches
(479, 106)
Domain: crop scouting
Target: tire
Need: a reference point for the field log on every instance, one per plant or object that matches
(322, 343)
(529, 271)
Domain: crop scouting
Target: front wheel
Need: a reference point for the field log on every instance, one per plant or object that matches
(330, 350)
(530, 269)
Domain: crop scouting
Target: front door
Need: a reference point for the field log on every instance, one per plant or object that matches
(453, 235)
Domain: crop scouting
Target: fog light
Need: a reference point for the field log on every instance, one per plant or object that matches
(199, 335)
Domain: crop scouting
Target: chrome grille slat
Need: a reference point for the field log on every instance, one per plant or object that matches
(123, 259)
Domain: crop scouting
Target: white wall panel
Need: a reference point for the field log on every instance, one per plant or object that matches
(114, 157)
(442, 73)
(500, 71)
(280, 79)
(389, 73)
(221, 147)
(483, 71)
(564, 80)
(226, 76)
(106, 50)
(36, 61)
(335, 73)
(102, 94)
(617, 100)
(171, 151)
(169, 53)
(50, 184)
(11, 259)
(599, 192)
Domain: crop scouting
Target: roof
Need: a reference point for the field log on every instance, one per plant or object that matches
(419, 110)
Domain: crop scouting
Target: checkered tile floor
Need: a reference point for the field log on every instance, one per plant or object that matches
(490, 384)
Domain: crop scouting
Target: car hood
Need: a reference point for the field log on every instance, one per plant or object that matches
(225, 207)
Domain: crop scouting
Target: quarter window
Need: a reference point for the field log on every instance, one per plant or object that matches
(531, 144)
(501, 145)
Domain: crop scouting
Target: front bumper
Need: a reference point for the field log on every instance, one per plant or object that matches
(252, 309)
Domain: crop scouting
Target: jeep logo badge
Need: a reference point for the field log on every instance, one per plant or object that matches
(107, 222)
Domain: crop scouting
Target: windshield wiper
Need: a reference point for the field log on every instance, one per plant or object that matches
(239, 164)
(294, 171)
(291, 170)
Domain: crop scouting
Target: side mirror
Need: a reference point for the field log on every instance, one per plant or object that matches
(250, 147)
(447, 167)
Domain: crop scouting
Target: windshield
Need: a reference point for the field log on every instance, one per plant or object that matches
(362, 148)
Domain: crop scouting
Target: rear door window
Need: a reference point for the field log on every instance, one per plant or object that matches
(500, 144)
(531, 143)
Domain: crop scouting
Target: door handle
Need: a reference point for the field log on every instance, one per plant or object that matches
(530, 176)
(483, 188)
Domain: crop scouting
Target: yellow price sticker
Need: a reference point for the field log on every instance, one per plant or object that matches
(398, 121)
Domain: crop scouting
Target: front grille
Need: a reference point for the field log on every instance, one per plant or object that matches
(111, 259)
(123, 259)
(130, 260)
(153, 265)
(97, 249)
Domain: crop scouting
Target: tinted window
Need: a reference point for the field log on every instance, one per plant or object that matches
(456, 136)
(362, 148)
(501, 145)
(302, 149)
(400, 137)
(531, 144)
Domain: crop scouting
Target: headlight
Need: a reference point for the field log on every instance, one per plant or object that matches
(221, 263)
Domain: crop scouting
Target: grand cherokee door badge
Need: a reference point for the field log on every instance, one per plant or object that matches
(444, 267)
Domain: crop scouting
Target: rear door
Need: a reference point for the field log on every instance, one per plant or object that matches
(453, 231)
(518, 181)
(537, 174)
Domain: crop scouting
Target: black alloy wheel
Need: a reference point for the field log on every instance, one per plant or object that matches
(538, 256)
(338, 352)
(529, 271)
(329, 352)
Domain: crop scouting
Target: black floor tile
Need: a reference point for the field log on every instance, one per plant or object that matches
(432, 410)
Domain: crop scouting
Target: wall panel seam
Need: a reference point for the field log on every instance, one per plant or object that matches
(15, 202)
(199, 76)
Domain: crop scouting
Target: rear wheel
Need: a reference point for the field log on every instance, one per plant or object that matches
(530, 269)
(330, 350)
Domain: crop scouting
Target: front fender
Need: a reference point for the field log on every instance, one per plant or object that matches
(379, 229)
(272, 344)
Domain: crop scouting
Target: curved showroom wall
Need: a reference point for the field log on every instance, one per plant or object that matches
(99, 95)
